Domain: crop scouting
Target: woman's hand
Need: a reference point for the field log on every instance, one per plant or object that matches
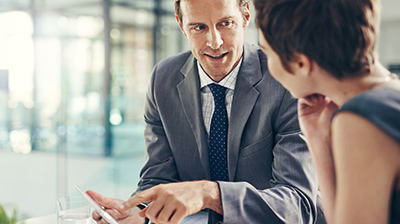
(315, 114)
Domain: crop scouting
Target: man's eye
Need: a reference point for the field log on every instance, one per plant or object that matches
(226, 23)
(199, 28)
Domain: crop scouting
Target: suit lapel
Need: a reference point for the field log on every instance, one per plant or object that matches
(244, 99)
(189, 94)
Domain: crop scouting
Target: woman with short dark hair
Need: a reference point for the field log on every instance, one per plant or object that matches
(324, 53)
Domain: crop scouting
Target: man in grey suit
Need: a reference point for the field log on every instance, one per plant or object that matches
(269, 174)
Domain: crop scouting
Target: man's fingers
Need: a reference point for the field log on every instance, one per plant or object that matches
(153, 210)
(142, 213)
(114, 213)
(102, 221)
(104, 201)
(144, 196)
(96, 196)
(178, 216)
(96, 216)
(166, 213)
(109, 204)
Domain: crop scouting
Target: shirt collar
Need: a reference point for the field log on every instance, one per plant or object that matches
(228, 81)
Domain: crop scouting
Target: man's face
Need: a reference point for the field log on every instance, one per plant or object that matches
(215, 30)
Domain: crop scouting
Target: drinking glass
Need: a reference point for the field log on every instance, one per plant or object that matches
(73, 210)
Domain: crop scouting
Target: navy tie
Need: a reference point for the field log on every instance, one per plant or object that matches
(218, 134)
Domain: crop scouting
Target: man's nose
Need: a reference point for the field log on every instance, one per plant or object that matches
(214, 39)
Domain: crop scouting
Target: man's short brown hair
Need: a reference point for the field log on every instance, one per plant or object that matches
(339, 35)
(178, 12)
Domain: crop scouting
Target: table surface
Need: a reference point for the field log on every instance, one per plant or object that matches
(198, 218)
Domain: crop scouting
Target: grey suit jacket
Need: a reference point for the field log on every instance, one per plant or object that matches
(272, 179)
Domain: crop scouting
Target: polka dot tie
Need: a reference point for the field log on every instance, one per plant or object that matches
(218, 133)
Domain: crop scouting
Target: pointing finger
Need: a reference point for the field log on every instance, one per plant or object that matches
(145, 196)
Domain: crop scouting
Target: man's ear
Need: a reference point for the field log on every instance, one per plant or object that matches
(302, 64)
(180, 24)
(246, 15)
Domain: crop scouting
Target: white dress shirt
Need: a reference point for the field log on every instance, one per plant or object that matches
(207, 99)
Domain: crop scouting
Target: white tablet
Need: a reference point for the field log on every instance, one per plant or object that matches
(98, 209)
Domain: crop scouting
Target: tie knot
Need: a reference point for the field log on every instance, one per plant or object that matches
(218, 91)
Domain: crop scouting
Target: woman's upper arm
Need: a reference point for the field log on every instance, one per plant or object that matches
(366, 161)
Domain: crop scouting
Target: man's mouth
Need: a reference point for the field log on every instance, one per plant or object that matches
(216, 56)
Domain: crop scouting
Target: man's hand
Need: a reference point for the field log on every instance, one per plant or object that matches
(171, 203)
(110, 206)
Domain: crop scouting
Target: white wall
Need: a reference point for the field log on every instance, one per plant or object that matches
(389, 41)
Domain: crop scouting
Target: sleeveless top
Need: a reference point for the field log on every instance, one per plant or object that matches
(381, 106)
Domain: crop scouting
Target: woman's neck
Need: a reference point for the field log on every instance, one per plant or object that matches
(342, 90)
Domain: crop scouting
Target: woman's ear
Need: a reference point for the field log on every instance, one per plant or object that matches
(302, 64)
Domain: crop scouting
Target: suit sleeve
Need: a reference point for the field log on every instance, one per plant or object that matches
(159, 167)
(293, 193)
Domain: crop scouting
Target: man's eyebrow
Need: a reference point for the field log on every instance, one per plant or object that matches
(195, 24)
(222, 19)
(227, 18)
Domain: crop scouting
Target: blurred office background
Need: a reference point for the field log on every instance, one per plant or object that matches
(73, 77)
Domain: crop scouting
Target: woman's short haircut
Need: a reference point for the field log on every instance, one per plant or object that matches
(339, 35)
